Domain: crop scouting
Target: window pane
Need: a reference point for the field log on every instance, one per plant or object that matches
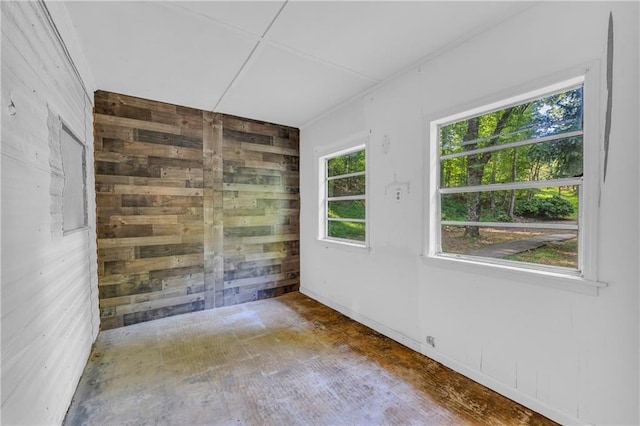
(557, 204)
(346, 186)
(551, 115)
(539, 246)
(346, 230)
(352, 209)
(345, 164)
(543, 161)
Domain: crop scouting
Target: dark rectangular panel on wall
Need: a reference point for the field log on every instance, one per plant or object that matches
(195, 210)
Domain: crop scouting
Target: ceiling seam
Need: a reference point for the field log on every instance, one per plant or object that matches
(209, 19)
(273, 21)
(417, 64)
(245, 64)
(320, 60)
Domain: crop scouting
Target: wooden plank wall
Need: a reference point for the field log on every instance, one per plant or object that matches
(149, 188)
(49, 279)
(169, 241)
(261, 210)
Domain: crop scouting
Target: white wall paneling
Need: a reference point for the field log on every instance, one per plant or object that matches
(573, 357)
(49, 278)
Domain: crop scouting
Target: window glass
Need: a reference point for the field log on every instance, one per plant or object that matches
(510, 182)
(345, 197)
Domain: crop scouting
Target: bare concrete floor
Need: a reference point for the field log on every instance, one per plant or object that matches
(282, 361)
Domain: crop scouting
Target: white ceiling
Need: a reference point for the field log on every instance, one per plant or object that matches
(277, 61)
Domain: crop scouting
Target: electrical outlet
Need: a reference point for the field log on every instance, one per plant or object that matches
(431, 341)
(398, 193)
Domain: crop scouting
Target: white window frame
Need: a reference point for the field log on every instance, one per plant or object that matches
(337, 150)
(585, 280)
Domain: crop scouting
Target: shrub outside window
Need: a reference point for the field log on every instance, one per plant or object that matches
(510, 183)
(345, 196)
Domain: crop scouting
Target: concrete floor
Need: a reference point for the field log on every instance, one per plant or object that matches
(282, 361)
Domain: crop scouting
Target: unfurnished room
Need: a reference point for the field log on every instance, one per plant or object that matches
(320, 212)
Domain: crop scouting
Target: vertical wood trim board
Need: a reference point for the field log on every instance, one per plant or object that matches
(212, 144)
(195, 210)
(218, 224)
(208, 212)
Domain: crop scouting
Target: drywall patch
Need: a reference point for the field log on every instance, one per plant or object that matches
(607, 123)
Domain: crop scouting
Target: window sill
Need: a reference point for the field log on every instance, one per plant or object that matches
(565, 282)
(344, 245)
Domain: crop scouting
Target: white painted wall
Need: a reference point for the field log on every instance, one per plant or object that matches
(572, 357)
(49, 287)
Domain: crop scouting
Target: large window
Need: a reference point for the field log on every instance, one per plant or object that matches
(345, 198)
(509, 182)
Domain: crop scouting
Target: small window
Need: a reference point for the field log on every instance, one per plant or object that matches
(74, 206)
(509, 185)
(345, 197)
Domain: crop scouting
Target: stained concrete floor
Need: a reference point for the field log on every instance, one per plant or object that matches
(282, 361)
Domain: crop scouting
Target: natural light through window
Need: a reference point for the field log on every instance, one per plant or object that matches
(510, 183)
(345, 217)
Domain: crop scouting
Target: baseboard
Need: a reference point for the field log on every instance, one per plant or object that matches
(380, 328)
(507, 391)
(493, 384)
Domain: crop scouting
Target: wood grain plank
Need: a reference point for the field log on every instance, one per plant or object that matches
(253, 280)
(182, 173)
(156, 190)
(168, 138)
(143, 219)
(135, 124)
(151, 149)
(157, 263)
(143, 200)
(160, 303)
(247, 147)
(270, 239)
(104, 243)
(241, 221)
(259, 188)
(143, 252)
(189, 182)
(119, 98)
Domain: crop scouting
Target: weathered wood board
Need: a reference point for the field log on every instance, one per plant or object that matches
(261, 210)
(195, 210)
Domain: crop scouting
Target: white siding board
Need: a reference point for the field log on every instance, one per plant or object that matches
(49, 281)
(44, 71)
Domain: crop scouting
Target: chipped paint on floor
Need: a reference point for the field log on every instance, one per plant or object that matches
(288, 360)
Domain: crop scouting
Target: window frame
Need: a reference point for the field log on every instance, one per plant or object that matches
(585, 279)
(340, 149)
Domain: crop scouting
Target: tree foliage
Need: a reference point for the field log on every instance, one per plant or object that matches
(346, 178)
(558, 158)
(554, 207)
(345, 164)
